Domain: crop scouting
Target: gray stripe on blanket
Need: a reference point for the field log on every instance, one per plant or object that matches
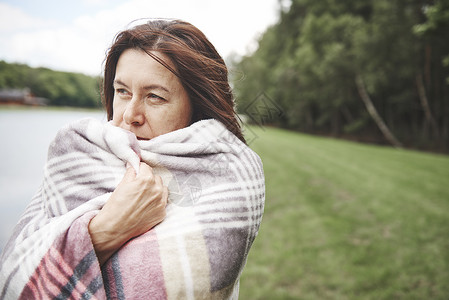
(116, 281)
(93, 287)
(78, 273)
(120, 290)
(225, 253)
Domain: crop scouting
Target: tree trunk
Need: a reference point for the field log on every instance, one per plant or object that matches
(428, 62)
(425, 105)
(374, 114)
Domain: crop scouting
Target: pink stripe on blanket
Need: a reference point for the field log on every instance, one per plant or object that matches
(51, 276)
(69, 269)
(143, 276)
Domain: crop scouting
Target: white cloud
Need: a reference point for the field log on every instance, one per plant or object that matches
(61, 49)
(94, 2)
(80, 45)
(13, 19)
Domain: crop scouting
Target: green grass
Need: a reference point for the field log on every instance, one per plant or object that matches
(349, 221)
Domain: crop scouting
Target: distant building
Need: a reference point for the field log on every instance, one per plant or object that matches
(21, 97)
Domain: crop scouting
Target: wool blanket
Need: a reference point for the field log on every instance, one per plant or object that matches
(216, 200)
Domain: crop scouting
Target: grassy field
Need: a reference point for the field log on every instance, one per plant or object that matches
(349, 221)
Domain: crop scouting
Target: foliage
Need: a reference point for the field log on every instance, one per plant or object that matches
(348, 221)
(309, 60)
(436, 27)
(60, 88)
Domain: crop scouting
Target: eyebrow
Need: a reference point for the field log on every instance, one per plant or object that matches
(147, 87)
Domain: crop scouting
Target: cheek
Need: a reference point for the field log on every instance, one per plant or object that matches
(176, 118)
(185, 112)
(181, 117)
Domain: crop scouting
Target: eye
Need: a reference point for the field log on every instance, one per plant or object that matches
(156, 98)
(122, 92)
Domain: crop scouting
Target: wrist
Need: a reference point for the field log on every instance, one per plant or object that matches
(105, 241)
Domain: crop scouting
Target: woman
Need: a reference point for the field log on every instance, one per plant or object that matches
(180, 222)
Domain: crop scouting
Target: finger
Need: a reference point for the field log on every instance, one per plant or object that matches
(130, 174)
(146, 172)
(145, 167)
(158, 180)
(165, 195)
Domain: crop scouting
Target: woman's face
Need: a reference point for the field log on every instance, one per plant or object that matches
(149, 100)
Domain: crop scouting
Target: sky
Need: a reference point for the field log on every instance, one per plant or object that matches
(74, 35)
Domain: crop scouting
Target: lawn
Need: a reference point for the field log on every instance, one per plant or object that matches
(348, 221)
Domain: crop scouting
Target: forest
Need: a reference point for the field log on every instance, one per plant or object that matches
(60, 88)
(371, 71)
(364, 70)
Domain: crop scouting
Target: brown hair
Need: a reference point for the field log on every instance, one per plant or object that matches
(198, 65)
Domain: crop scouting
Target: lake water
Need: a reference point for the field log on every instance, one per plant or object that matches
(25, 135)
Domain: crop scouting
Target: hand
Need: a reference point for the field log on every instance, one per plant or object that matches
(136, 205)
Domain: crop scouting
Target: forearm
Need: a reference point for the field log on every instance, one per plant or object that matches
(105, 242)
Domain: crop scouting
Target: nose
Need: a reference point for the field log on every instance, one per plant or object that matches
(134, 114)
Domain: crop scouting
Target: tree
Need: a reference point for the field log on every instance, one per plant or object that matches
(312, 61)
(433, 80)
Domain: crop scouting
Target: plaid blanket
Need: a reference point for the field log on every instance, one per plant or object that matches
(216, 199)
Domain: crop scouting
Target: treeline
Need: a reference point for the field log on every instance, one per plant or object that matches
(60, 88)
(372, 70)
